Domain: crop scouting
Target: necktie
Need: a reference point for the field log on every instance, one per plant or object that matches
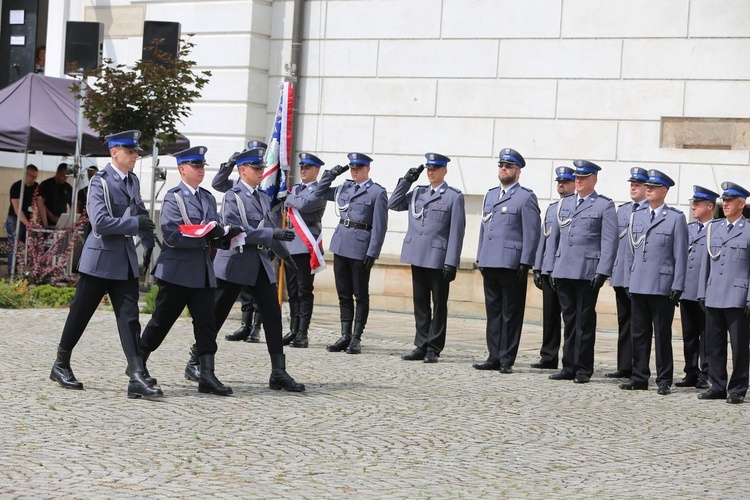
(198, 199)
(653, 214)
(255, 193)
(729, 226)
(432, 192)
(127, 183)
(356, 188)
(635, 207)
(301, 188)
(700, 227)
(580, 200)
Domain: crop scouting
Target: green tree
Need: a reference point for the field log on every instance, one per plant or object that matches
(152, 97)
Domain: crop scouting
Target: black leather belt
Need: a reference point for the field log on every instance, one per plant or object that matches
(355, 225)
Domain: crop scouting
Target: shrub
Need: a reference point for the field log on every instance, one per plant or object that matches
(14, 294)
(51, 296)
(150, 300)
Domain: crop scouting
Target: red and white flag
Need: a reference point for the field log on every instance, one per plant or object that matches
(315, 246)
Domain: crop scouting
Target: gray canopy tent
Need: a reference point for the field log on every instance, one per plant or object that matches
(40, 113)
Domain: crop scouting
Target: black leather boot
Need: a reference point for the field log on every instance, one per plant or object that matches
(138, 387)
(254, 336)
(343, 342)
(301, 339)
(243, 332)
(208, 383)
(62, 373)
(193, 367)
(293, 330)
(354, 347)
(144, 354)
(280, 379)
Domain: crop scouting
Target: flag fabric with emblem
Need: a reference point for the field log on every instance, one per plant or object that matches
(279, 148)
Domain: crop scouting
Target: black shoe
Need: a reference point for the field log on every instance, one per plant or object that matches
(151, 380)
(293, 328)
(240, 334)
(735, 399)
(416, 355)
(340, 345)
(193, 367)
(62, 373)
(138, 387)
(545, 365)
(689, 381)
(355, 346)
(618, 374)
(562, 376)
(634, 386)
(431, 357)
(664, 390)
(300, 341)
(487, 365)
(280, 379)
(712, 394)
(208, 383)
(505, 368)
(581, 379)
(702, 383)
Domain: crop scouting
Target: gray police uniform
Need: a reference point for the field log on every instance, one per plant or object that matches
(585, 244)
(434, 238)
(359, 234)
(184, 272)
(617, 282)
(250, 265)
(657, 267)
(551, 319)
(725, 285)
(692, 316)
(508, 238)
(300, 285)
(108, 261)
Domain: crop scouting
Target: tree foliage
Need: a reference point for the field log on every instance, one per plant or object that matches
(151, 97)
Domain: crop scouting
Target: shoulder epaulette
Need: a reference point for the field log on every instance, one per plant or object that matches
(554, 203)
(174, 188)
(624, 204)
(673, 209)
(605, 197)
(526, 189)
(455, 189)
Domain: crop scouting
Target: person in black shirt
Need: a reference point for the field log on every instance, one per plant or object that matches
(25, 210)
(84, 191)
(55, 196)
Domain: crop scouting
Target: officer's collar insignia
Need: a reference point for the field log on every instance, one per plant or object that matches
(505, 209)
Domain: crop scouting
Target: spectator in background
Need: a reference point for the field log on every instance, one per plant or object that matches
(39, 59)
(25, 213)
(55, 196)
(84, 191)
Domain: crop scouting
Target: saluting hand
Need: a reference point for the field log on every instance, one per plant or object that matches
(413, 173)
(338, 170)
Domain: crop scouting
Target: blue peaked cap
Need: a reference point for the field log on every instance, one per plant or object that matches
(509, 155)
(127, 140)
(435, 160)
(195, 155)
(638, 174)
(659, 178)
(732, 190)
(359, 159)
(310, 159)
(584, 168)
(701, 193)
(252, 157)
(256, 144)
(564, 174)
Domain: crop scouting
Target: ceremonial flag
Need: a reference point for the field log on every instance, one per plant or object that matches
(279, 148)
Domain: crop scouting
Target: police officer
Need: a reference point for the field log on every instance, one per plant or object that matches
(658, 259)
(109, 263)
(432, 245)
(551, 321)
(249, 265)
(184, 271)
(723, 289)
(362, 207)
(693, 317)
(638, 177)
(584, 246)
(249, 330)
(304, 214)
(508, 240)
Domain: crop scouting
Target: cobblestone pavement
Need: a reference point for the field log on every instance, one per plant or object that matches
(369, 426)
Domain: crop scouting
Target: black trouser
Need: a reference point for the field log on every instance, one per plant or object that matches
(578, 303)
(718, 322)
(551, 323)
(170, 302)
(652, 315)
(266, 294)
(430, 292)
(624, 342)
(694, 338)
(300, 287)
(352, 282)
(247, 300)
(505, 303)
(89, 292)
